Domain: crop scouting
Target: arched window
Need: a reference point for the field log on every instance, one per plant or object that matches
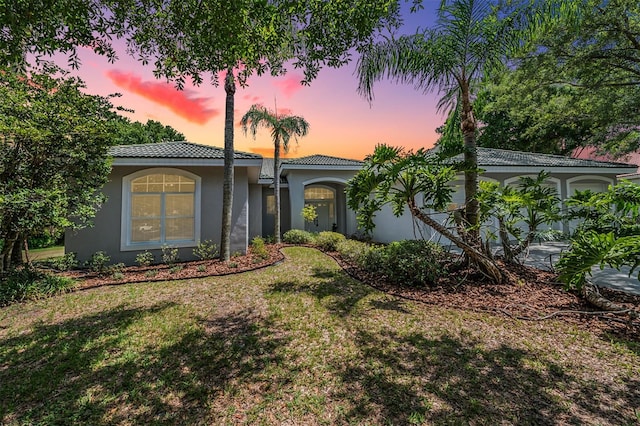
(160, 206)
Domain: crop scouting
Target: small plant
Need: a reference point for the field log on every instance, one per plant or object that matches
(201, 268)
(297, 236)
(117, 276)
(170, 255)
(258, 248)
(233, 264)
(270, 239)
(309, 213)
(98, 262)
(151, 273)
(117, 267)
(145, 258)
(64, 263)
(28, 283)
(176, 268)
(236, 253)
(206, 250)
(328, 241)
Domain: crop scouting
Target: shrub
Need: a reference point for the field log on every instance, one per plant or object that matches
(28, 283)
(151, 273)
(145, 259)
(201, 268)
(328, 241)
(118, 276)
(63, 263)
(176, 268)
(206, 250)
(170, 255)
(98, 262)
(408, 262)
(297, 236)
(117, 268)
(258, 247)
(354, 252)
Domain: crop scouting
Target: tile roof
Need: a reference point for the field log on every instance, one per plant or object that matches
(266, 172)
(323, 160)
(174, 150)
(503, 157)
(312, 160)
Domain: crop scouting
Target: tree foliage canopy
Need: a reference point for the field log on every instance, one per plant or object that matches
(577, 85)
(53, 156)
(134, 132)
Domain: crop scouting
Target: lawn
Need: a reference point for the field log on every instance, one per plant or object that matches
(300, 343)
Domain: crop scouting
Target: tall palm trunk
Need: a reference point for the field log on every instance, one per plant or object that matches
(227, 188)
(276, 188)
(468, 126)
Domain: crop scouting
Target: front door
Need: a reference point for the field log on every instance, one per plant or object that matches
(324, 222)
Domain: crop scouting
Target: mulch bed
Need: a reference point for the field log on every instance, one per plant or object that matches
(180, 270)
(530, 294)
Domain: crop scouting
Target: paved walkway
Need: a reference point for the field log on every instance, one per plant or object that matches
(544, 255)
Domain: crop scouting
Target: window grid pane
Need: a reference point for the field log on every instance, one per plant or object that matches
(162, 208)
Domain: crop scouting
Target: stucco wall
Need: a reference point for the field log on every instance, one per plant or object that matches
(298, 179)
(255, 210)
(268, 220)
(105, 235)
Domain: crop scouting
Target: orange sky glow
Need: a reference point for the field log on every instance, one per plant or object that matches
(342, 123)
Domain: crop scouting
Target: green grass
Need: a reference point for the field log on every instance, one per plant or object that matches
(299, 343)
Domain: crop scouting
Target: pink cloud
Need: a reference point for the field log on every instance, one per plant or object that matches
(253, 99)
(183, 103)
(289, 84)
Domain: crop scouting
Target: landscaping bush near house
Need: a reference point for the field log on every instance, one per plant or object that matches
(258, 247)
(170, 255)
(328, 241)
(145, 258)
(407, 262)
(355, 252)
(28, 283)
(62, 263)
(98, 262)
(297, 236)
(206, 250)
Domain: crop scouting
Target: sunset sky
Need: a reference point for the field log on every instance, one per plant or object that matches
(341, 122)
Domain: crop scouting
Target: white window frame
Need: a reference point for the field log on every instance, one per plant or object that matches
(125, 215)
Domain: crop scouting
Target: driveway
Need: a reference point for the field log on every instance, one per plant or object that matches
(544, 255)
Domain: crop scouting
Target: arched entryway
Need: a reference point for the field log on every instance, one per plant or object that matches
(323, 199)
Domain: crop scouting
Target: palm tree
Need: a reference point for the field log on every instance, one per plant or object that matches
(282, 127)
(471, 38)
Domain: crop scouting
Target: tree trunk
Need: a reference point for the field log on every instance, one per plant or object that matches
(276, 188)
(7, 250)
(593, 296)
(16, 254)
(227, 189)
(468, 126)
(486, 265)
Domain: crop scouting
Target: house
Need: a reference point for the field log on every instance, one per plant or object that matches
(170, 193)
